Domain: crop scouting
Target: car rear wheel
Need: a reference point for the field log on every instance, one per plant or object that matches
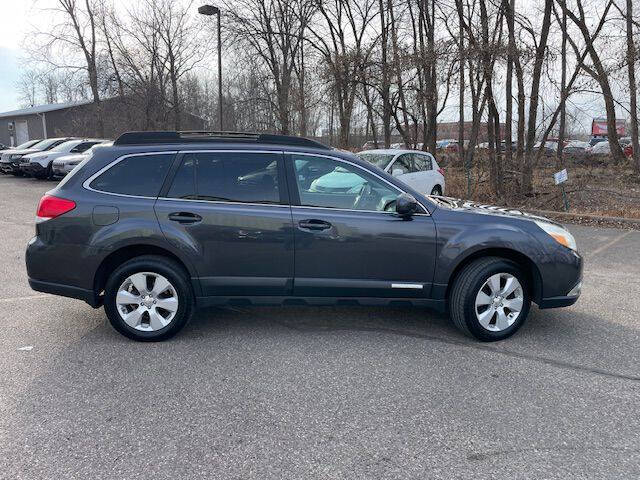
(148, 298)
(490, 299)
(436, 190)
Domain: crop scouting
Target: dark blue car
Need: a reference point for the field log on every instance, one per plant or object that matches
(160, 223)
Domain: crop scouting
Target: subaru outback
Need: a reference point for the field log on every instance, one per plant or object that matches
(159, 224)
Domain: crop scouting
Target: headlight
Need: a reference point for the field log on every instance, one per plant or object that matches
(559, 234)
(16, 157)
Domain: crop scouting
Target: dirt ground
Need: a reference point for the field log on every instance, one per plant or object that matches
(595, 187)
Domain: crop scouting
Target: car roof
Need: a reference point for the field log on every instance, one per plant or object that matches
(392, 151)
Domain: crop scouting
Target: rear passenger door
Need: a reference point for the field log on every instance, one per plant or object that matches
(425, 176)
(229, 212)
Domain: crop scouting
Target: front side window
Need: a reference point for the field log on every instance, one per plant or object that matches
(403, 164)
(65, 146)
(228, 177)
(139, 175)
(324, 182)
(83, 147)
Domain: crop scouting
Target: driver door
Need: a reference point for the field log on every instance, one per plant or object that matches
(348, 240)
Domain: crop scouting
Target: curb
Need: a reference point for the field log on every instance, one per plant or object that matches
(588, 216)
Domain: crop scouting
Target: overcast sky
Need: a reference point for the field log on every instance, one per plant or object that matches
(14, 15)
(17, 17)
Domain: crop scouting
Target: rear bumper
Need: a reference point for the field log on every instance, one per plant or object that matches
(66, 291)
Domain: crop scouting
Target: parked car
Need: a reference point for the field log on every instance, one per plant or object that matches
(12, 159)
(595, 140)
(442, 144)
(601, 148)
(40, 164)
(63, 165)
(6, 156)
(161, 223)
(550, 148)
(369, 144)
(417, 169)
(576, 149)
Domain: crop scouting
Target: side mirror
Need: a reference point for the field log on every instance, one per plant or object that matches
(396, 172)
(406, 205)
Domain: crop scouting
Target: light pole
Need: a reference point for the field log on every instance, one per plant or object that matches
(211, 10)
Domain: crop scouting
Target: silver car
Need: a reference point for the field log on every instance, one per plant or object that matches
(61, 166)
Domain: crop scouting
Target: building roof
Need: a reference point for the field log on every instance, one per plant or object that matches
(50, 107)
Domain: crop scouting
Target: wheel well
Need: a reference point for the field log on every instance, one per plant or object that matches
(117, 258)
(529, 268)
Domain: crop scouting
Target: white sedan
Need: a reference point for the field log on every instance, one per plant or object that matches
(417, 169)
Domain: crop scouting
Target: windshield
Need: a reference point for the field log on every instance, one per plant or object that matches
(45, 144)
(66, 146)
(28, 144)
(380, 160)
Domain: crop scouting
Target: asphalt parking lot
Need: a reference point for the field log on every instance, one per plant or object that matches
(295, 393)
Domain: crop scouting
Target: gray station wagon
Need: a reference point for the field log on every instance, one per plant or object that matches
(160, 223)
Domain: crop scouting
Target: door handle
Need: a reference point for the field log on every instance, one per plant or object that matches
(314, 224)
(185, 217)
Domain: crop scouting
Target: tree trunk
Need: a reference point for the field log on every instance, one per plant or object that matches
(527, 170)
(563, 93)
(633, 89)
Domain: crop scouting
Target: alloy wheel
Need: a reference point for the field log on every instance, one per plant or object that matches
(147, 301)
(499, 302)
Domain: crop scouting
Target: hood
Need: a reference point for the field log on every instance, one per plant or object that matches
(37, 154)
(468, 206)
(25, 151)
(72, 157)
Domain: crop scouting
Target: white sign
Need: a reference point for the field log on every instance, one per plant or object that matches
(561, 176)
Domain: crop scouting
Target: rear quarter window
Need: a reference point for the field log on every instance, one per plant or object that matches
(139, 175)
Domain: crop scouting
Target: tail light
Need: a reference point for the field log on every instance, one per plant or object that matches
(52, 207)
(441, 171)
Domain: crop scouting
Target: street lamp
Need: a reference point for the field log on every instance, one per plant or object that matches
(211, 10)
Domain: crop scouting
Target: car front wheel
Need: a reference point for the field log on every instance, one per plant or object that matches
(148, 298)
(490, 299)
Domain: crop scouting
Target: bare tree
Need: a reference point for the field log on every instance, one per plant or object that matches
(339, 37)
(598, 72)
(274, 30)
(633, 88)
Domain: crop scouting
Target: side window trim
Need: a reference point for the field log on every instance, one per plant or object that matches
(87, 183)
(282, 177)
(295, 195)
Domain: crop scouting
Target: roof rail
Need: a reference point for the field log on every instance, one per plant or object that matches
(146, 138)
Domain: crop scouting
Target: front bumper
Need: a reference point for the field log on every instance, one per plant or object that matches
(32, 168)
(66, 291)
(557, 302)
(61, 169)
(10, 166)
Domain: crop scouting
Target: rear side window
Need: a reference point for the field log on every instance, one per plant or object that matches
(229, 177)
(140, 175)
(422, 162)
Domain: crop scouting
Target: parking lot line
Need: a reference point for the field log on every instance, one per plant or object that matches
(607, 245)
(29, 297)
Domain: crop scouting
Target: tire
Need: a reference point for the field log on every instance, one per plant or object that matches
(151, 267)
(436, 190)
(465, 293)
(46, 175)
